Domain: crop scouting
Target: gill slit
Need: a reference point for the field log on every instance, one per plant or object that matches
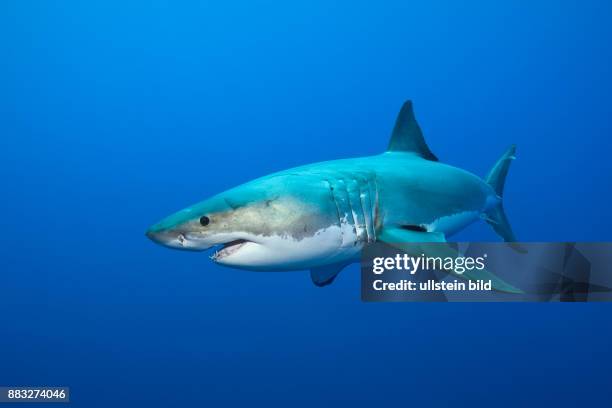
(366, 217)
(333, 197)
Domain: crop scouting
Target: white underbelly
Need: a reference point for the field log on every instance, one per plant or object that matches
(450, 224)
(279, 253)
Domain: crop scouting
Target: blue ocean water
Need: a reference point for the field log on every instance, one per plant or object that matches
(114, 114)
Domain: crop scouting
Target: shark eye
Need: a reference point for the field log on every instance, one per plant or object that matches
(204, 220)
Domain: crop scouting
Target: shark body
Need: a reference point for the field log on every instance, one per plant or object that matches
(320, 216)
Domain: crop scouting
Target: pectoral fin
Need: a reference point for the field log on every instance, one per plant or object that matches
(409, 240)
(324, 275)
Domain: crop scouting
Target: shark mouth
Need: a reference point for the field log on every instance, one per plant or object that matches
(229, 248)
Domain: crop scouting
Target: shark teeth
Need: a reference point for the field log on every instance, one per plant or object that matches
(228, 249)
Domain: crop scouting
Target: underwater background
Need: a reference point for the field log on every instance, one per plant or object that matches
(114, 114)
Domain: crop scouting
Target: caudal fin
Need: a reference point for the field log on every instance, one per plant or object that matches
(496, 217)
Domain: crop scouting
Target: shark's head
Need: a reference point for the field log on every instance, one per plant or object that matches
(274, 223)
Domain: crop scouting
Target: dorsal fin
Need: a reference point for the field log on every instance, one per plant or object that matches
(407, 135)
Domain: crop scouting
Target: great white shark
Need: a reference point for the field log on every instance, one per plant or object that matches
(321, 216)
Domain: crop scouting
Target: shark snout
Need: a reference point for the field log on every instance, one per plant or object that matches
(159, 237)
(172, 239)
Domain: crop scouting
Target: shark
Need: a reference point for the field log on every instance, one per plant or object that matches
(321, 216)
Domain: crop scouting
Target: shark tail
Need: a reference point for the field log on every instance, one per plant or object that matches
(496, 216)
